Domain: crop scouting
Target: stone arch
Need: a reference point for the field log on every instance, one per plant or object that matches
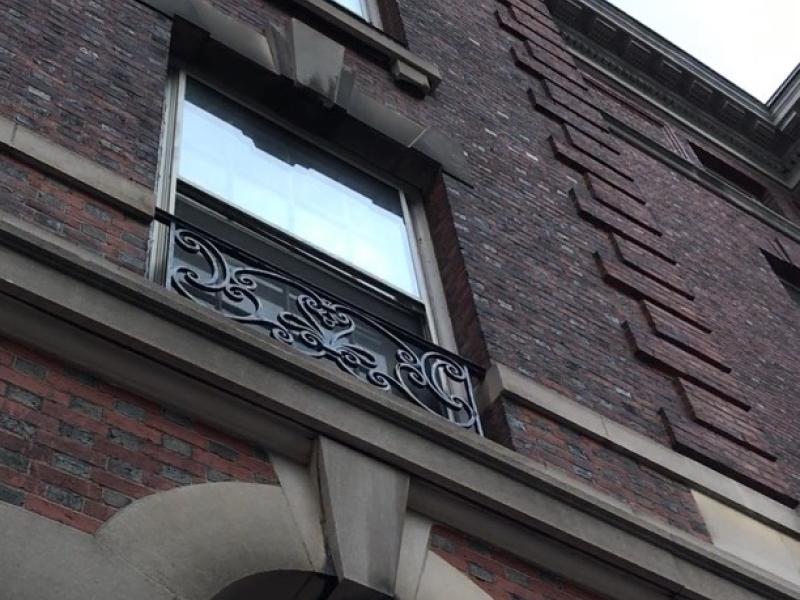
(200, 539)
(289, 585)
(214, 541)
(189, 543)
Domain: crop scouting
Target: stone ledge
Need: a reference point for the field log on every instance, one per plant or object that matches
(502, 380)
(58, 161)
(154, 343)
(405, 66)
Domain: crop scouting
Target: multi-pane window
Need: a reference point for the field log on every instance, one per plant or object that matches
(296, 241)
(273, 176)
(242, 177)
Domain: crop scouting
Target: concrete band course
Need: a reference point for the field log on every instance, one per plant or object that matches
(154, 343)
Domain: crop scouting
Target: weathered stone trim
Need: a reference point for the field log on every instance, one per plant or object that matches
(156, 344)
(363, 506)
(157, 548)
(63, 164)
(313, 61)
(611, 40)
(413, 555)
(501, 381)
(441, 580)
(406, 66)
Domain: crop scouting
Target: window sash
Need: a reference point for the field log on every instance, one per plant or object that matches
(299, 188)
(170, 189)
(224, 221)
(355, 6)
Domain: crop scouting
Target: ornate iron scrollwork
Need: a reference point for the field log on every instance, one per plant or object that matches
(320, 327)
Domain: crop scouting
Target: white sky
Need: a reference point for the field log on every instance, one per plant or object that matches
(754, 43)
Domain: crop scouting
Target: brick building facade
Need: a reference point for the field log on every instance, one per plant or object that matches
(371, 299)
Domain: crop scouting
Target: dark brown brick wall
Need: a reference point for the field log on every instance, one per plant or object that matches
(621, 334)
(501, 576)
(89, 75)
(91, 224)
(77, 450)
(569, 256)
(642, 489)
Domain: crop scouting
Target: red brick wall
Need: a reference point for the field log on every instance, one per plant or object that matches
(77, 450)
(89, 223)
(500, 575)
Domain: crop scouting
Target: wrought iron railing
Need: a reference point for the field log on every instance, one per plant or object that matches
(247, 289)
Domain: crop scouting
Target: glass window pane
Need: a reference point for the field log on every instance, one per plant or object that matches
(273, 175)
(355, 6)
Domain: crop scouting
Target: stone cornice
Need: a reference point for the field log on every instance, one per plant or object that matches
(767, 135)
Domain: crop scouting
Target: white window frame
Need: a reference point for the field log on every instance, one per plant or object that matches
(431, 289)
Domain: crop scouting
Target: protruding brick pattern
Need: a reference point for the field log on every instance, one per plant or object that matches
(728, 420)
(683, 335)
(718, 428)
(77, 450)
(641, 286)
(614, 220)
(500, 575)
(728, 457)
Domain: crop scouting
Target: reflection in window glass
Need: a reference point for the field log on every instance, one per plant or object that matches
(267, 172)
(355, 6)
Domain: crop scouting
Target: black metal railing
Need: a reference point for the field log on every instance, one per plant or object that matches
(247, 289)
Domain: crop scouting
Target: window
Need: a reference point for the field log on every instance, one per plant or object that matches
(789, 276)
(242, 177)
(273, 176)
(366, 9)
(381, 14)
(291, 239)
